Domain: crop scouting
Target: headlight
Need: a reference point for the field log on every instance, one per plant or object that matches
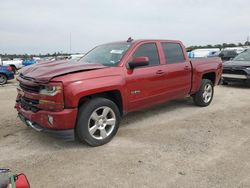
(248, 68)
(51, 97)
(50, 90)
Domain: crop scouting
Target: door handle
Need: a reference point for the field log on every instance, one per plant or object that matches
(160, 72)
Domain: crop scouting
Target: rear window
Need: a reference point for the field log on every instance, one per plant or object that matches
(173, 53)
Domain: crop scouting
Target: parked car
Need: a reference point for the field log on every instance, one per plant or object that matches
(238, 69)
(87, 99)
(6, 73)
(28, 62)
(237, 49)
(201, 53)
(225, 55)
(15, 64)
(76, 57)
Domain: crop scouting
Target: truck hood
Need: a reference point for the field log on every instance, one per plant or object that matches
(44, 72)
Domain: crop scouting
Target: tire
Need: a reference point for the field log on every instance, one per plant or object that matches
(205, 94)
(3, 79)
(98, 121)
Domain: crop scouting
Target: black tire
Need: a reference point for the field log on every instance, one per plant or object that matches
(198, 98)
(84, 120)
(3, 79)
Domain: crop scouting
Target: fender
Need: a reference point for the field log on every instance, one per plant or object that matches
(75, 91)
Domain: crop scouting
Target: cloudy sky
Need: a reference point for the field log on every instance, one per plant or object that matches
(44, 26)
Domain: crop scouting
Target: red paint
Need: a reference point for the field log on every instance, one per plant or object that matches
(154, 85)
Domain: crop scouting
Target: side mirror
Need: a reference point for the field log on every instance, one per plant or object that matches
(138, 62)
(21, 181)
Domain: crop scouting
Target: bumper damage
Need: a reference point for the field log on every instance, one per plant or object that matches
(67, 135)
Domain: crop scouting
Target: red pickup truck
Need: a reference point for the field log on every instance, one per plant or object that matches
(86, 99)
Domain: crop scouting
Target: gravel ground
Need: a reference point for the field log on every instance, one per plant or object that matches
(173, 145)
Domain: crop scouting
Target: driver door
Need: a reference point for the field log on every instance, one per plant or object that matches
(144, 83)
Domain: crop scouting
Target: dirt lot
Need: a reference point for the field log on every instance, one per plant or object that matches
(173, 145)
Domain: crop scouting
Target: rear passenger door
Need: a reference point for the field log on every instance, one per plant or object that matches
(178, 70)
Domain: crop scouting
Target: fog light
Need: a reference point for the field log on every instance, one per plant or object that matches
(50, 119)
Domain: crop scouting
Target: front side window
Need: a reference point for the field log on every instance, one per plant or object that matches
(148, 50)
(173, 53)
(107, 54)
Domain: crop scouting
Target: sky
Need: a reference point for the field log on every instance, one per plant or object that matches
(45, 26)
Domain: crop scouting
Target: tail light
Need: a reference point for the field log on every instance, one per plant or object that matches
(9, 68)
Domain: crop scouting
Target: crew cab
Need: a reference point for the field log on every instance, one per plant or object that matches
(86, 99)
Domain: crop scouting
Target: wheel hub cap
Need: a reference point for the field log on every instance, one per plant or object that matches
(101, 122)
(208, 93)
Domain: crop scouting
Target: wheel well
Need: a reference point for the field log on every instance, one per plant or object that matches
(13, 66)
(210, 76)
(113, 95)
(4, 74)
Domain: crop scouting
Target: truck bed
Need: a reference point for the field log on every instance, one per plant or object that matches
(203, 65)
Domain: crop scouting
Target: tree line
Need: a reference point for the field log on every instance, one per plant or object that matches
(190, 48)
(220, 46)
(29, 56)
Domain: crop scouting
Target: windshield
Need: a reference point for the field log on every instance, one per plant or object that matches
(244, 56)
(107, 54)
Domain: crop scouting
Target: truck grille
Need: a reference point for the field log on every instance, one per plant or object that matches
(32, 89)
(234, 71)
(29, 88)
(29, 104)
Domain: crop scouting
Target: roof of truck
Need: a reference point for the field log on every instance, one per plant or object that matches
(146, 40)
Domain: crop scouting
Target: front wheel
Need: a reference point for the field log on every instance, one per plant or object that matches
(205, 94)
(98, 121)
(3, 79)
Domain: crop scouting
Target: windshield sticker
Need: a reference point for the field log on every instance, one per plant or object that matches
(116, 51)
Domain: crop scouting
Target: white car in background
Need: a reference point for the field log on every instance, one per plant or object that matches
(237, 49)
(76, 56)
(201, 53)
(15, 64)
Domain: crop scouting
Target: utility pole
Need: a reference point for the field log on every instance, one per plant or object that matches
(70, 42)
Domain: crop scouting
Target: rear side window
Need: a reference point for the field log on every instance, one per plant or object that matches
(149, 50)
(173, 53)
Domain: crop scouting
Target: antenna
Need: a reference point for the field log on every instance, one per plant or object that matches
(70, 42)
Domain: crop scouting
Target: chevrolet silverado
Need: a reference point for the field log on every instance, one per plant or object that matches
(85, 100)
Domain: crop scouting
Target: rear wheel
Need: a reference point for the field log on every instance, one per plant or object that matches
(205, 94)
(3, 79)
(98, 121)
